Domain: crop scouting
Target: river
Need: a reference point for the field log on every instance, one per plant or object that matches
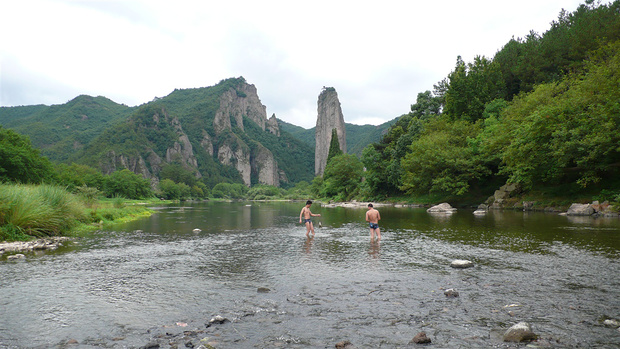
(156, 282)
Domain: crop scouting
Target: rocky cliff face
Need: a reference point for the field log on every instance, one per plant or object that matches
(234, 105)
(237, 103)
(200, 129)
(329, 117)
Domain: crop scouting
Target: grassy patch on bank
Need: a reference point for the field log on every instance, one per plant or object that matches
(36, 211)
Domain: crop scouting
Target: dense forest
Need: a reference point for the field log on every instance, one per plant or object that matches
(543, 113)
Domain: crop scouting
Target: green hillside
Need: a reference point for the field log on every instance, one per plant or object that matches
(60, 131)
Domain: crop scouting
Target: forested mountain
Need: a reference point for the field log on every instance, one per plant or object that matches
(60, 131)
(218, 134)
(544, 113)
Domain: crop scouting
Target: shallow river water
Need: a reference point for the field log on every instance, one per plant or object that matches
(154, 281)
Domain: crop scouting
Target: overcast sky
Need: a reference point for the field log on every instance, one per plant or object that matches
(378, 55)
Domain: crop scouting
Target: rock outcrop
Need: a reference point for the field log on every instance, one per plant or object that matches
(264, 164)
(272, 125)
(329, 117)
(237, 103)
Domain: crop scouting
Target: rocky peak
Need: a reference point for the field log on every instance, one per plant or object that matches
(329, 117)
(272, 125)
(237, 103)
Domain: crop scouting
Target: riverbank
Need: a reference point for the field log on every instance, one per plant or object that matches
(30, 212)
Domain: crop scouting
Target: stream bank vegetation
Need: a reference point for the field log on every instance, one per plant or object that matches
(30, 211)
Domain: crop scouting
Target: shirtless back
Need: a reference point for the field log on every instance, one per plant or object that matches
(373, 217)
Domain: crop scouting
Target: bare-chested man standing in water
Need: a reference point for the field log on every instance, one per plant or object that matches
(306, 213)
(373, 217)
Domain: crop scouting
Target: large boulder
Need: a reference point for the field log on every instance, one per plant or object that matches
(580, 210)
(441, 208)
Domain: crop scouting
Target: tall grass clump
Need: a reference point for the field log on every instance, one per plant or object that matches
(28, 211)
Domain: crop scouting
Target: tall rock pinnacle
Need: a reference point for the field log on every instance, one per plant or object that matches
(329, 117)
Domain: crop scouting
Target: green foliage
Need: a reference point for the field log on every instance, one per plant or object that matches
(263, 192)
(229, 191)
(301, 190)
(565, 131)
(127, 184)
(342, 177)
(75, 176)
(442, 160)
(88, 194)
(37, 211)
(178, 174)
(174, 191)
(60, 131)
(334, 146)
(471, 87)
(20, 162)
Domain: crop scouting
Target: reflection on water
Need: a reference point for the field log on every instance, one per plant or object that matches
(135, 284)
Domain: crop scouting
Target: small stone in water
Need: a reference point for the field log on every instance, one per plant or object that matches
(519, 332)
(263, 290)
(611, 323)
(420, 338)
(451, 293)
(217, 320)
(461, 263)
(345, 345)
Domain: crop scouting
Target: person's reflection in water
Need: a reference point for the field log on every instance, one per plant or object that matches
(308, 244)
(375, 247)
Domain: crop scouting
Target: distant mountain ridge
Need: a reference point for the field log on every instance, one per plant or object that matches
(220, 133)
(358, 136)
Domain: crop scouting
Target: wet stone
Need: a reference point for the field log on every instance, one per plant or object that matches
(345, 345)
(520, 332)
(461, 264)
(420, 338)
(451, 293)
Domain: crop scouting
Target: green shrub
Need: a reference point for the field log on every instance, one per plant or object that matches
(37, 211)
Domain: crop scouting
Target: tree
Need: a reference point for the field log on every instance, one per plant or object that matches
(334, 146)
(342, 177)
(20, 162)
(127, 184)
(76, 175)
(442, 159)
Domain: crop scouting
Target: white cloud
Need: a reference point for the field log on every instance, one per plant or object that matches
(378, 56)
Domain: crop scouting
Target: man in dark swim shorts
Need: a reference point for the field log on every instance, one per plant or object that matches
(373, 217)
(306, 213)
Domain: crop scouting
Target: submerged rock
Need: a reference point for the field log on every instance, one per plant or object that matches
(345, 345)
(420, 338)
(461, 264)
(520, 332)
(612, 323)
(263, 290)
(451, 293)
(217, 320)
(16, 256)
